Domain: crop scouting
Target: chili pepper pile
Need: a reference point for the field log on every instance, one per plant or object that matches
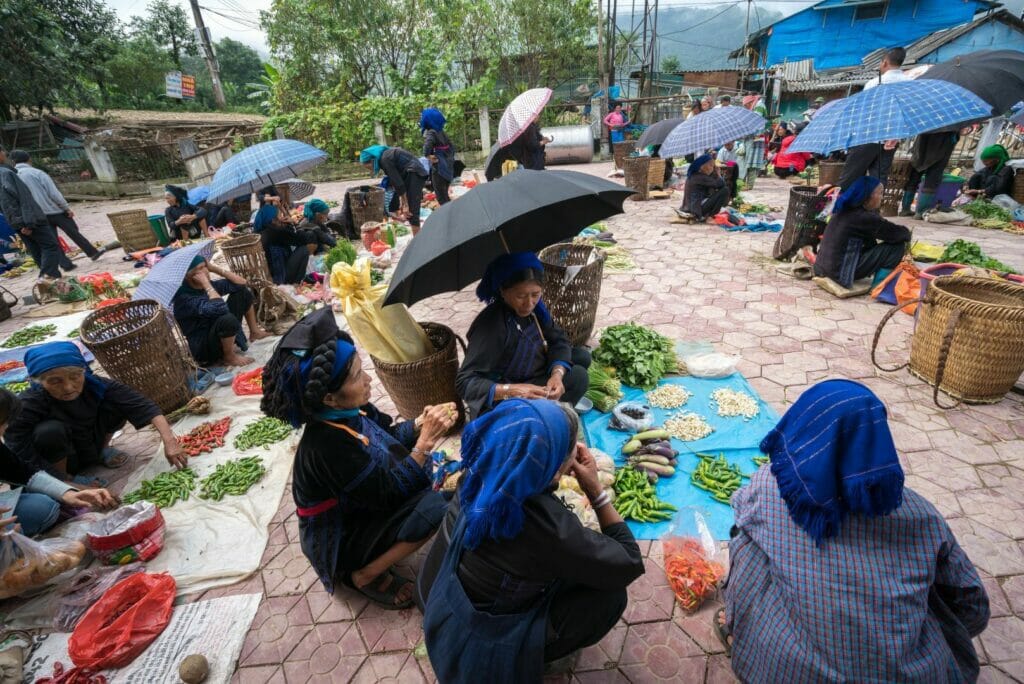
(164, 490)
(206, 437)
(717, 476)
(29, 335)
(635, 497)
(262, 432)
(234, 477)
(10, 365)
(760, 460)
(691, 575)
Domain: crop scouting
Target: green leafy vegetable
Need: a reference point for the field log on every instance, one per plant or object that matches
(604, 390)
(983, 209)
(970, 254)
(640, 356)
(342, 252)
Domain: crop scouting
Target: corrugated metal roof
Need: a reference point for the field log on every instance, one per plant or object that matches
(798, 71)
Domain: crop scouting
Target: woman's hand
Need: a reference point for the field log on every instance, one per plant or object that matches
(555, 387)
(435, 422)
(96, 499)
(175, 455)
(523, 390)
(584, 469)
(4, 522)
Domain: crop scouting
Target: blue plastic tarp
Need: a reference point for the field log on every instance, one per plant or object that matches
(736, 438)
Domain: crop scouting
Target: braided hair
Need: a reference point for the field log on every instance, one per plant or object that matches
(286, 396)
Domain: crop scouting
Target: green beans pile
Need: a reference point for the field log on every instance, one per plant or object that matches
(635, 497)
(262, 432)
(234, 477)
(716, 476)
(164, 490)
(30, 335)
(17, 387)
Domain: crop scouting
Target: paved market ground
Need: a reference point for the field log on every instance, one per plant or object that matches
(693, 283)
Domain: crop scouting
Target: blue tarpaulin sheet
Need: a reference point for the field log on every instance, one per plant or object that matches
(736, 438)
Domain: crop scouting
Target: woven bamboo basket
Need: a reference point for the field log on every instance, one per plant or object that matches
(829, 172)
(969, 339)
(573, 304)
(804, 206)
(139, 344)
(1018, 186)
(635, 172)
(898, 175)
(621, 150)
(428, 381)
(656, 173)
(133, 230)
(367, 204)
(245, 256)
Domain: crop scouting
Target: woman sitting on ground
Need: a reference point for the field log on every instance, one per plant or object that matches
(788, 163)
(69, 415)
(184, 221)
(515, 349)
(210, 314)
(362, 484)
(547, 585)
(288, 250)
(858, 242)
(38, 507)
(705, 192)
(315, 215)
(997, 176)
(406, 177)
(837, 571)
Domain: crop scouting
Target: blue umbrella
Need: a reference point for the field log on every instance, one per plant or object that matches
(261, 165)
(711, 129)
(198, 194)
(891, 111)
(164, 279)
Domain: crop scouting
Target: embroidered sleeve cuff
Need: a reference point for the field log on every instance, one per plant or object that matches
(490, 395)
(405, 432)
(563, 364)
(411, 476)
(44, 483)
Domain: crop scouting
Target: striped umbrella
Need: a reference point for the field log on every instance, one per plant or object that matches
(298, 189)
(520, 113)
(166, 276)
(711, 129)
(891, 111)
(261, 165)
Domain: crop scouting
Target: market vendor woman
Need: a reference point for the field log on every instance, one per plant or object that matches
(210, 314)
(184, 221)
(69, 415)
(515, 348)
(362, 484)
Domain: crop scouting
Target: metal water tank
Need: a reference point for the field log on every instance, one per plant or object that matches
(569, 145)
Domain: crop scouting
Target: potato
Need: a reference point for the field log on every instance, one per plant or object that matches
(193, 669)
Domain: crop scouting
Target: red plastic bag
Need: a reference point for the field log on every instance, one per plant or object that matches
(126, 620)
(248, 383)
(378, 247)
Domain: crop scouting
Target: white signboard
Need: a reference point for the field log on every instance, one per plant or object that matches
(172, 84)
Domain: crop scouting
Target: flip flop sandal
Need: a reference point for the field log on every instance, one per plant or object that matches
(386, 598)
(722, 631)
(113, 458)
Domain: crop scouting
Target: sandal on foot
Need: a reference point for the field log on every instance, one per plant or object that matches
(722, 630)
(386, 598)
(113, 458)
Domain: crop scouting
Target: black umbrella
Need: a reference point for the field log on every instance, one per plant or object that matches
(524, 211)
(996, 76)
(656, 133)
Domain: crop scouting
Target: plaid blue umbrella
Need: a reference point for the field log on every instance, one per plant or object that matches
(261, 165)
(891, 111)
(711, 129)
(164, 279)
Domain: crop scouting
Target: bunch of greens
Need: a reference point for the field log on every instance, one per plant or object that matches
(342, 252)
(970, 254)
(639, 356)
(983, 209)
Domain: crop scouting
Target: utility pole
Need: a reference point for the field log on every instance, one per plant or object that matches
(209, 56)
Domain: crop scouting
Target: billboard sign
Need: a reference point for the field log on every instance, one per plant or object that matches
(172, 84)
(188, 87)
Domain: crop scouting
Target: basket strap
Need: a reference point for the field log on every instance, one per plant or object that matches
(947, 343)
(878, 334)
(7, 293)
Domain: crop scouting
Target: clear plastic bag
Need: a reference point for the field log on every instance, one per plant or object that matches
(631, 416)
(711, 365)
(691, 562)
(75, 597)
(26, 564)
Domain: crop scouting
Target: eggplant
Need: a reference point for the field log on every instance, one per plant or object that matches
(648, 458)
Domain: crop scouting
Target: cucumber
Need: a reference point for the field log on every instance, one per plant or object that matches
(631, 446)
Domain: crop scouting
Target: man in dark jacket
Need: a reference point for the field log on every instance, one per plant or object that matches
(25, 216)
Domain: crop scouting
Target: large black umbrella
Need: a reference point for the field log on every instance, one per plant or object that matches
(524, 211)
(996, 76)
(656, 133)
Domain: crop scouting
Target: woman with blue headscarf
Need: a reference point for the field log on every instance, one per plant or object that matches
(69, 415)
(406, 177)
(210, 314)
(438, 148)
(315, 216)
(361, 483)
(515, 581)
(858, 242)
(515, 349)
(287, 249)
(838, 572)
(705, 192)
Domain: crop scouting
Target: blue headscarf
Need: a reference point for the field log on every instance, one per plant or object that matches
(264, 217)
(857, 194)
(502, 269)
(697, 164)
(46, 357)
(314, 207)
(432, 119)
(832, 454)
(509, 454)
(373, 154)
(295, 377)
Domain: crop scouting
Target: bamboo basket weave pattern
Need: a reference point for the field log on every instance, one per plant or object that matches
(367, 204)
(1018, 186)
(829, 172)
(138, 344)
(635, 172)
(428, 381)
(245, 256)
(573, 305)
(133, 230)
(804, 206)
(621, 150)
(893, 193)
(656, 173)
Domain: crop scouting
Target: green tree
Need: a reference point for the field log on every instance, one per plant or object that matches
(239, 63)
(169, 27)
(136, 74)
(670, 64)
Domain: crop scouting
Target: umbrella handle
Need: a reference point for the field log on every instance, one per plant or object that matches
(504, 242)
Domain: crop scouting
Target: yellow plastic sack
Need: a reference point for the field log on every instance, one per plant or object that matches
(389, 333)
(926, 251)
